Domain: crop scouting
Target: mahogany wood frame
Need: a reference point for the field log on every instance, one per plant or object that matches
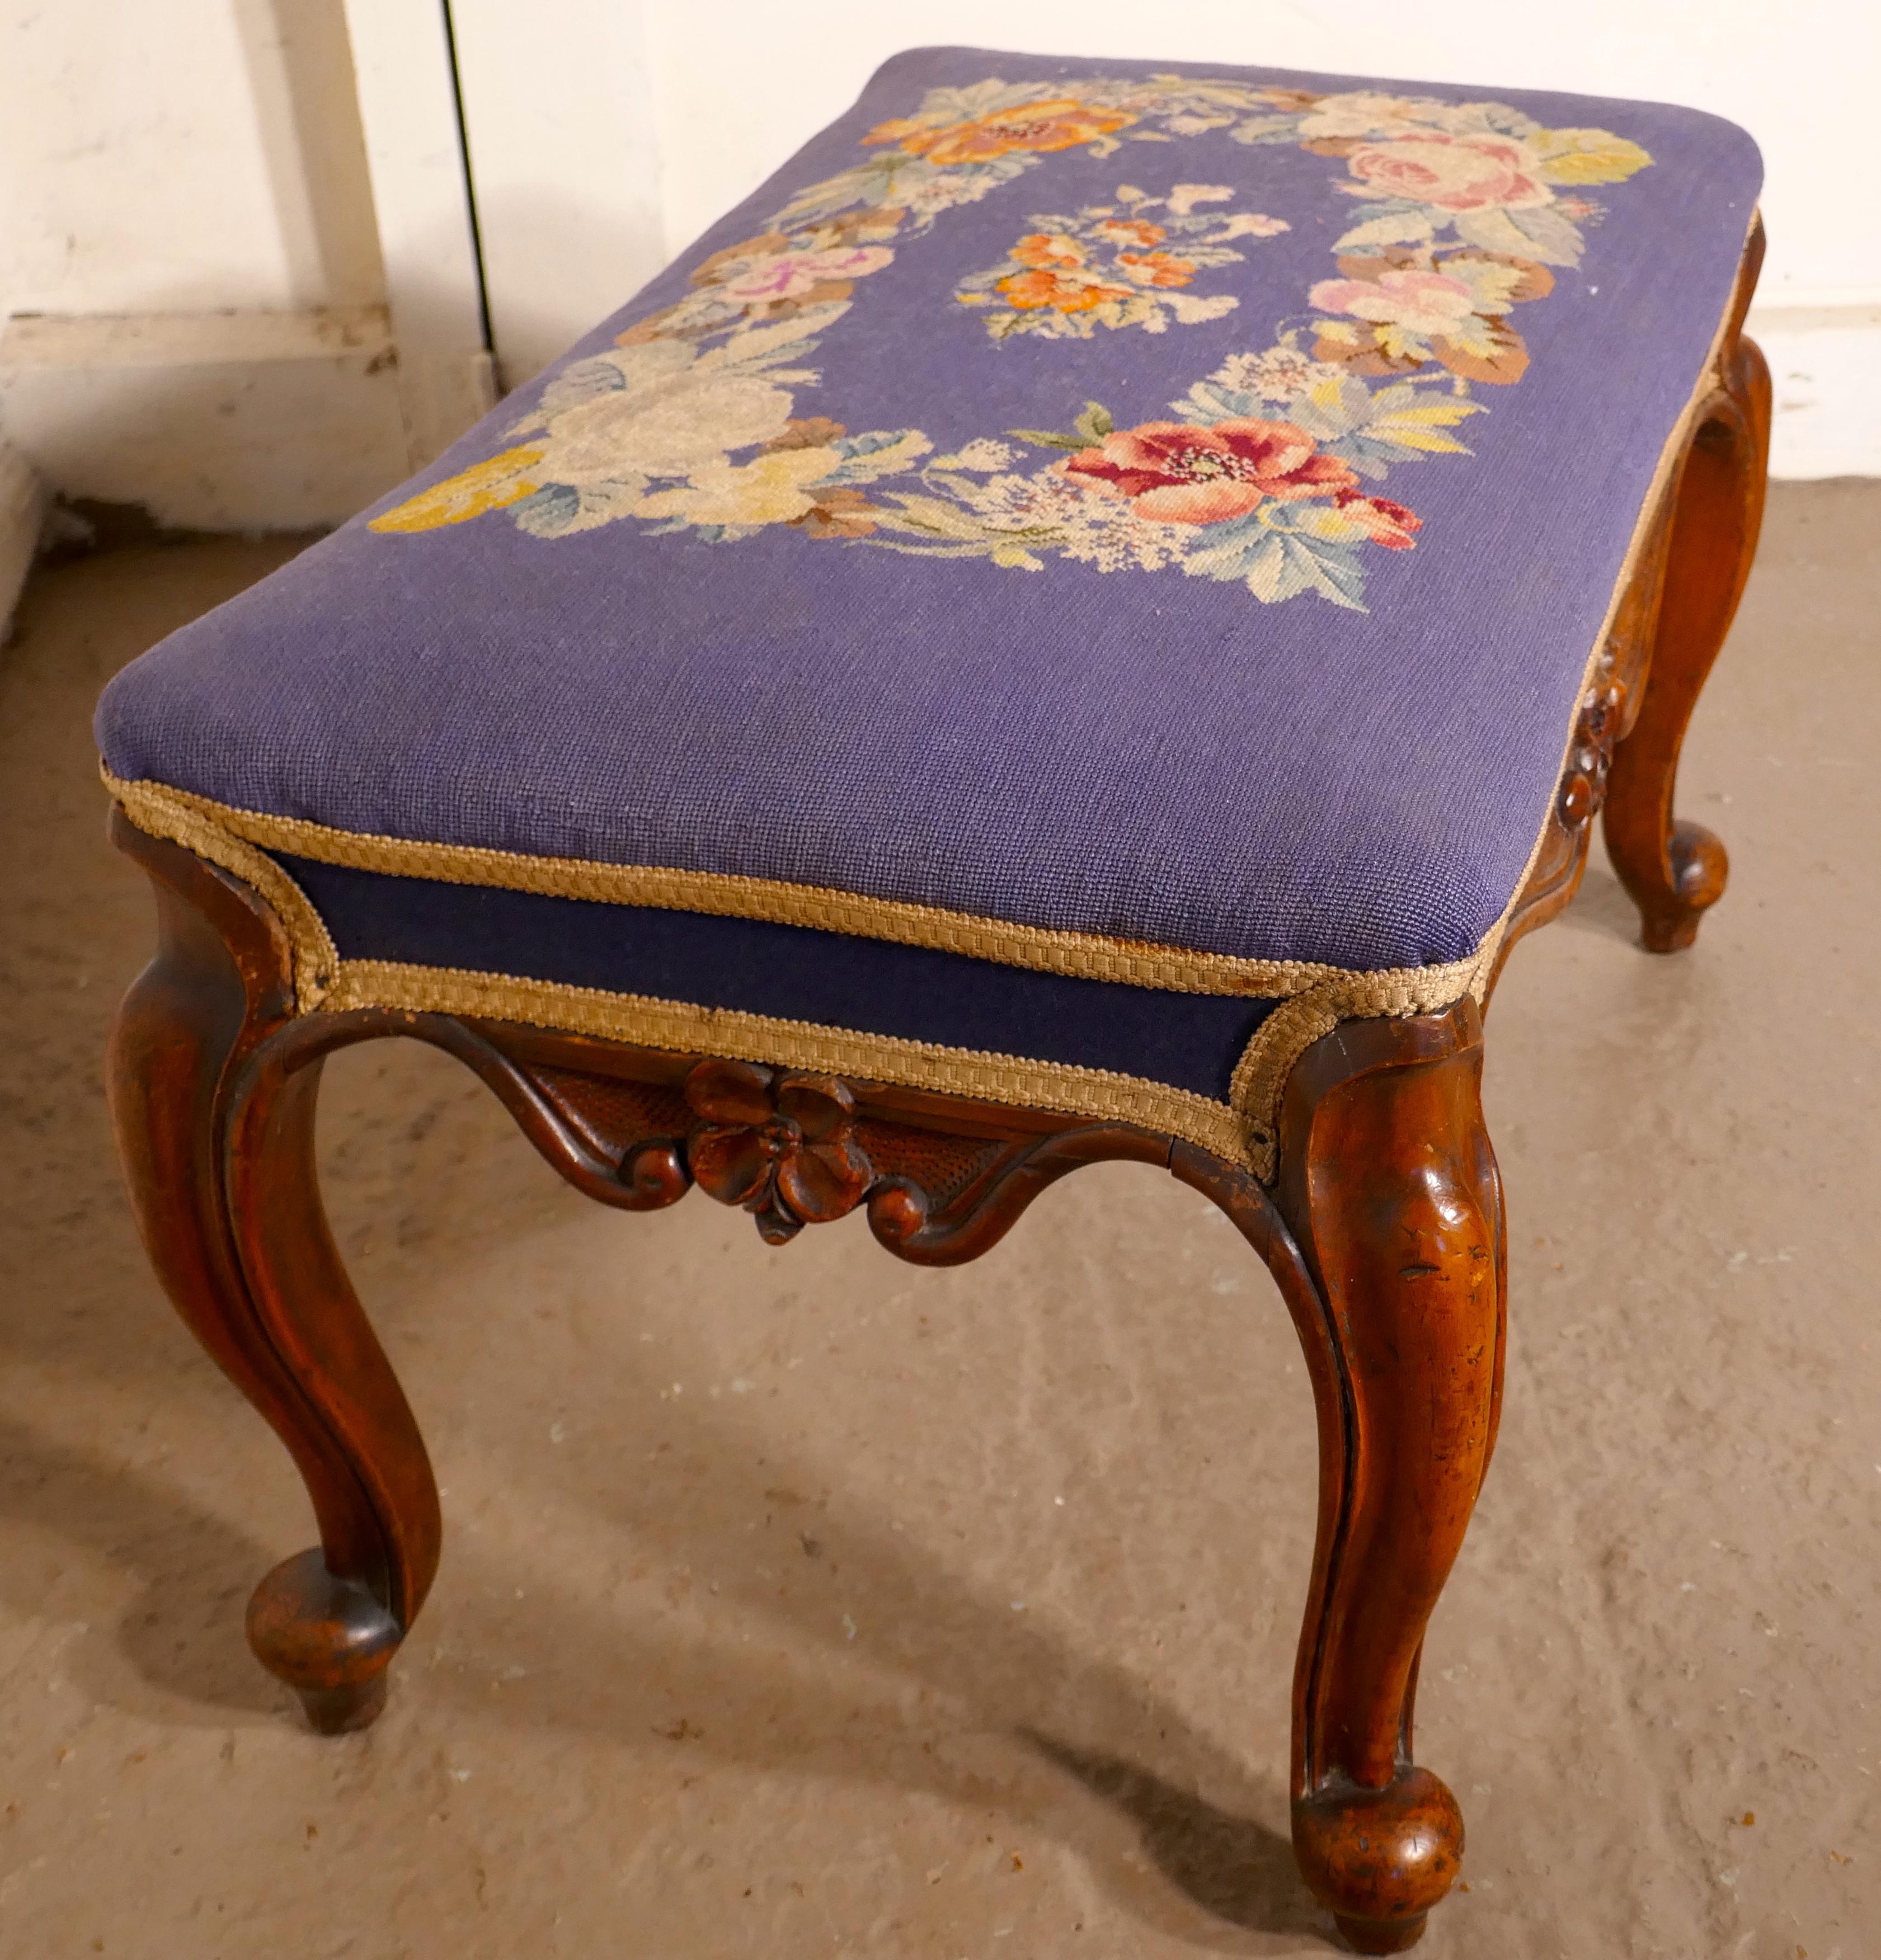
(1384, 1229)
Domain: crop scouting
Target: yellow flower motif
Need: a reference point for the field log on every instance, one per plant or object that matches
(488, 486)
(771, 490)
(1588, 156)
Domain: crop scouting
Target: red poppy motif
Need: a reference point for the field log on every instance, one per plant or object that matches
(1185, 473)
(782, 1146)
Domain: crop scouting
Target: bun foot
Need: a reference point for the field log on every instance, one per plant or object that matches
(1380, 1935)
(1379, 1858)
(339, 1711)
(1699, 867)
(328, 1638)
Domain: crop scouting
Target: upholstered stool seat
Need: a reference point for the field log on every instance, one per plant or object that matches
(1200, 607)
(1091, 581)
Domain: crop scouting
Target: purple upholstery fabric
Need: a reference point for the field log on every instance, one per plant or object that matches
(875, 678)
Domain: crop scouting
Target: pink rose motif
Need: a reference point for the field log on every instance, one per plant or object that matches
(1452, 173)
(787, 275)
(1181, 473)
(1419, 302)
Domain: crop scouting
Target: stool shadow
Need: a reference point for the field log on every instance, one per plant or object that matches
(1214, 1878)
(181, 1633)
(1601, 908)
(1232, 1867)
(1003, 1676)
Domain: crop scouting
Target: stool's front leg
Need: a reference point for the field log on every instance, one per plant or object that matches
(1391, 1191)
(213, 1080)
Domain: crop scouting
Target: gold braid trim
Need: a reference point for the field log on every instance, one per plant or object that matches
(1261, 1075)
(1081, 955)
(164, 812)
(688, 1028)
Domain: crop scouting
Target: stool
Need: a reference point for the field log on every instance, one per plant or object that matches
(934, 693)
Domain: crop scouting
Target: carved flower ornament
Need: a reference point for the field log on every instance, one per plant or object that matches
(782, 1146)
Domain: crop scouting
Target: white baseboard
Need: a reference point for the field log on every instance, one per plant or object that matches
(210, 422)
(1825, 364)
(22, 512)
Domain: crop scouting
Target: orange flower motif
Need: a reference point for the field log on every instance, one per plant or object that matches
(1132, 231)
(1061, 124)
(1157, 269)
(1028, 292)
(1049, 251)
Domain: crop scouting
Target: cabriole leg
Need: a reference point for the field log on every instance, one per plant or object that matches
(1390, 1188)
(212, 1099)
(1385, 1237)
(1675, 870)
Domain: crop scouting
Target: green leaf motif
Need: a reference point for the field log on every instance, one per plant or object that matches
(1334, 409)
(1266, 129)
(1542, 234)
(1410, 226)
(1297, 563)
(1050, 439)
(1095, 423)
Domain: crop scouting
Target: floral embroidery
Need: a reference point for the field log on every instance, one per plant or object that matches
(1186, 473)
(1263, 476)
(1112, 265)
(1061, 124)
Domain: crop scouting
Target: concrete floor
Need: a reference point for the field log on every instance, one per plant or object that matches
(803, 1604)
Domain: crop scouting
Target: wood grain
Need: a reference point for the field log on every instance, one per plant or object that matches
(1385, 1233)
(1674, 870)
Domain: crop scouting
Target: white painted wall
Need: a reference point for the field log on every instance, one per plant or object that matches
(407, 112)
(737, 84)
(190, 260)
(180, 156)
(173, 158)
(558, 107)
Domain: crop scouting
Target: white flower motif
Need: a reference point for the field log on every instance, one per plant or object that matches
(666, 414)
(1191, 309)
(983, 453)
(1085, 524)
(1280, 374)
(773, 490)
(1364, 112)
(1186, 196)
(924, 193)
(1246, 225)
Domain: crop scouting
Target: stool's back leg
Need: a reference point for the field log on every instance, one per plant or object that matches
(1675, 870)
(215, 1132)
(1386, 1235)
